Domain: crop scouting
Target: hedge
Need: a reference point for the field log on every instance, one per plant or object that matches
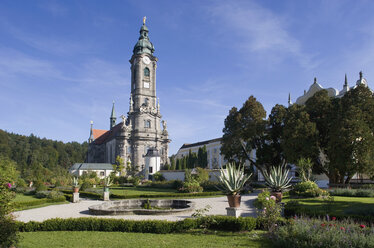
(293, 209)
(224, 223)
(24, 204)
(92, 195)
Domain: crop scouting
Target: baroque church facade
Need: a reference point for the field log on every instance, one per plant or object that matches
(142, 129)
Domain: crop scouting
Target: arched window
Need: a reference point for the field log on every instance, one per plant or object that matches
(147, 124)
(146, 72)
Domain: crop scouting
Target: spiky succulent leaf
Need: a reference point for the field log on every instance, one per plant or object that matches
(233, 179)
(277, 178)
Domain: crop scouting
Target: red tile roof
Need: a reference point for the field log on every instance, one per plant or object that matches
(98, 132)
(105, 136)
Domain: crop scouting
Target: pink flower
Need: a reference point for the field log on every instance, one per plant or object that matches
(9, 185)
(333, 218)
(272, 197)
(362, 226)
(267, 198)
(342, 228)
(323, 225)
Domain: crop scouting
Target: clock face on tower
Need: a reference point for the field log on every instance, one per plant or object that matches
(146, 60)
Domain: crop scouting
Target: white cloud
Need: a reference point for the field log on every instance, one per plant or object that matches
(259, 30)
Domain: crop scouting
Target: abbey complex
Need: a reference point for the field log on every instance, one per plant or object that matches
(141, 129)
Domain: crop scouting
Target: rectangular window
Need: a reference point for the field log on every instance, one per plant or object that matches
(147, 124)
(102, 173)
(150, 169)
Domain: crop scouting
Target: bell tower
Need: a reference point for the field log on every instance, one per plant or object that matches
(144, 112)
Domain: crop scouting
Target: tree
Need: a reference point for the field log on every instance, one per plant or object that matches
(119, 166)
(243, 131)
(202, 157)
(269, 150)
(299, 134)
(351, 146)
(8, 230)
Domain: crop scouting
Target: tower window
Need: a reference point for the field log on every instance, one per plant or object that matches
(146, 72)
(147, 124)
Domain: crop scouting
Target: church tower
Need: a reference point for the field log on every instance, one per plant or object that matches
(142, 129)
(144, 112)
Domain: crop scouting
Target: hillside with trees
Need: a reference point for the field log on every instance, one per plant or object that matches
(41, 159)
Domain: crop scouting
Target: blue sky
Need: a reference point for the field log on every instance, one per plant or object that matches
(62, 63)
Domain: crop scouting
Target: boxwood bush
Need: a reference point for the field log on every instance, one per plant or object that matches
(224, 223)
(352, 192)
(307, 189)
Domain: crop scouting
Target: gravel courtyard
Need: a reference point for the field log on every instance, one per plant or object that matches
(75, 210)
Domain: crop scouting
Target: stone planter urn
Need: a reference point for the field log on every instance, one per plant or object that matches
(75, 189)
(234, 200)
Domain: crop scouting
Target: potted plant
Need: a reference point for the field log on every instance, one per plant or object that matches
(277, 179)
(75, 185)
(232, 182)
(107, 183)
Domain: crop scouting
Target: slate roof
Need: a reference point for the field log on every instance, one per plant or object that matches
(91, 166)
(200, 143)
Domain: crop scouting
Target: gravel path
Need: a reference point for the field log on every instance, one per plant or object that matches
(75, 210)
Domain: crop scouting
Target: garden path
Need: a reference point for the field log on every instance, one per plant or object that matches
(75, 210)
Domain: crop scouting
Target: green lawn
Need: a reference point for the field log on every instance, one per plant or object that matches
(23, 202)
(340, 205)
(142, 240)
(23, 198)
(138, 190)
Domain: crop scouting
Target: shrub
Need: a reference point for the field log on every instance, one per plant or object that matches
(40, 186)
(319, 233)
(352, 192)
(55, 195)
(177, 184)
(209, 185)
(224, 223)
(307, 189)
(270, 213)
(85, 185)
(261, 199)
(202, 175)
(42, 194)
(158, 177)
(191, 186)
(8, 229)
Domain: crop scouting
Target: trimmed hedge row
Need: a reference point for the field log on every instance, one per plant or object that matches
(224, 223)
(24, 204)
(293, 209)
(92, 195)
(116, 196)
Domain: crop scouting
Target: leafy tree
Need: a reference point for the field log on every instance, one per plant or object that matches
(243, 131)
(119, 166)
(300, 135)
(269, 150)
(8, 175)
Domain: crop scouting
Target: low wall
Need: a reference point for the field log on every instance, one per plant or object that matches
(179, 175)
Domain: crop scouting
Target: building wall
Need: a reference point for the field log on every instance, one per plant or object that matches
(215, 159)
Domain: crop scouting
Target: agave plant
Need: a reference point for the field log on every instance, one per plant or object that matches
(277, 178)
(233, 179)
(107, 181)
(75, 182)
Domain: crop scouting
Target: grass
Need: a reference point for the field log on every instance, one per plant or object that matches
(142, 240)
(341, 205)
(21, 198)
(129, 191)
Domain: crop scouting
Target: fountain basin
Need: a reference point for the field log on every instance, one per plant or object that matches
(137, 206)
